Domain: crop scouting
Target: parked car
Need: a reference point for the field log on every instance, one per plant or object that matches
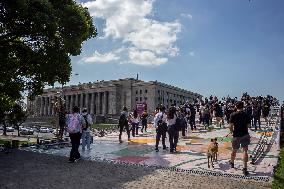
(26, 131)
(10, 129)
(44, 130)
(51, 130)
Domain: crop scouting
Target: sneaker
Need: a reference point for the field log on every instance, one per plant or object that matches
(165, 148)
(231, 164)
(76, 160)
(157, 149)
(245, 172)
(71, 161)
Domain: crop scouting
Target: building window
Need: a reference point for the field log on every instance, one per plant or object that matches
(146, 91)
(136, 92)
(140, 91)
(140, 99)
(136, 99)
(145, 98)
(158, 91)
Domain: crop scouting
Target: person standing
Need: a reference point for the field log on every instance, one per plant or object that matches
(172, 129)
(161, 128)
(192, 117)
(62, 121)
(75, 123)
(86, 131)
(239, 124)
(144, 118)
(256, 113)
(134, 123)
(123, 123)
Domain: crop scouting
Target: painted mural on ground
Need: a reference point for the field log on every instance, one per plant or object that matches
(191, 151)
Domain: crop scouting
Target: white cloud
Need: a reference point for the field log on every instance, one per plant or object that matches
(145, 58)
(192, 53)
(100, 58)
(130, 21)
(186, 15)
(155, 36)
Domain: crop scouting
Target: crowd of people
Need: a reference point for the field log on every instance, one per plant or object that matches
(240, 114)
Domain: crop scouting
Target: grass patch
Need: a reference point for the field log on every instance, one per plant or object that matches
(278, 181)
(104, 126)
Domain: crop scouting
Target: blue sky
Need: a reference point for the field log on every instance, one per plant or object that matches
(217, 47)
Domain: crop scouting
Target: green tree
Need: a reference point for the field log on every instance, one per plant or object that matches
(37, 38)
(17, 116)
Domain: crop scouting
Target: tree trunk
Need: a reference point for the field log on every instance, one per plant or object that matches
(18, 130)
(4, 129)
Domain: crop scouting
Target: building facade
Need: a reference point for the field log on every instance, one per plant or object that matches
(109, 97)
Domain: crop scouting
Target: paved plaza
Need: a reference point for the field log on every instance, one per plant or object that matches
(191, 155)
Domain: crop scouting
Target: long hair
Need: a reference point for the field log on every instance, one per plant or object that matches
(171, 113)
(135, 114)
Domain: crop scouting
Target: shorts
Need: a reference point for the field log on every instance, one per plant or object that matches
(240, 142)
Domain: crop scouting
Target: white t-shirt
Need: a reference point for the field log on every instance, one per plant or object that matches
(158, 117)
(172, 121)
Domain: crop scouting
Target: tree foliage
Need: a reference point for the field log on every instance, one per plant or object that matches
(17, 116)
(37, 38)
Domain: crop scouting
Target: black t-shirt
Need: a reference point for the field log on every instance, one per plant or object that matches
(240, 120)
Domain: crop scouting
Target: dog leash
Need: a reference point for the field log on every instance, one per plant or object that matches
(224, 137)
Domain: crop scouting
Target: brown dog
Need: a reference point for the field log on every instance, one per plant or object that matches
(212, 152)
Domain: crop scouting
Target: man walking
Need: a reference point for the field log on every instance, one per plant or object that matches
(239, 124)
(123, 123)
(160, 122)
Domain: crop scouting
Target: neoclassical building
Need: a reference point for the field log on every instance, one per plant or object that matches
(109, 97)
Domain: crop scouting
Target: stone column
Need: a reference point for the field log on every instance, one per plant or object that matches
(92, 103)
(103, 103)
(67, 103)
(45, 106)
(98, 103)
(76, 99)
(71, 103)
(81, 101)
(41, 106)
(86, 102)
(52, 106)
(112, 102)
(106, 102)
(48, 106)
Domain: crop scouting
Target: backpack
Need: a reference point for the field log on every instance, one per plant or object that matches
(180, 124)
(73, 124)
(122, 120)
(87, 123)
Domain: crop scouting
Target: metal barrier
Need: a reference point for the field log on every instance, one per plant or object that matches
(263, 141)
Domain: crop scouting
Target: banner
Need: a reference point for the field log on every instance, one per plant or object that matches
(141, 107)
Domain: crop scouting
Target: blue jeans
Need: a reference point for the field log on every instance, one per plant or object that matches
(134, 129)
(86, 139)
